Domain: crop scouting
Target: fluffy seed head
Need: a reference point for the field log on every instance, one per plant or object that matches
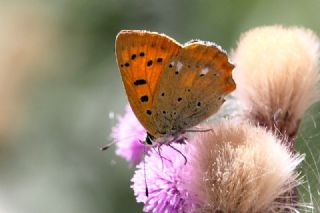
(277, 74)
(241, 168)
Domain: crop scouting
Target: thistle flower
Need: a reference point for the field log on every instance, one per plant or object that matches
(277, 75)
(165, 180)
(241, 168)
(128, 133)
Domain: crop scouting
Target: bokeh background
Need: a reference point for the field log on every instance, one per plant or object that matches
(60, 93)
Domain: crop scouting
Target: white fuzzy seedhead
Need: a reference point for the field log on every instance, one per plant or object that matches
(277, 74)
(242, 168)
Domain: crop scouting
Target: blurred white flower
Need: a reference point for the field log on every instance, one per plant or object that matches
(25, 41)
(238, 167)
(277, 74)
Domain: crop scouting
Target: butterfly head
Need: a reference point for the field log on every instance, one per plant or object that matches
(150, 140)
(175, 136)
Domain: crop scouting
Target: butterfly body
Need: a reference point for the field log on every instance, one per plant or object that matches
(172, 87)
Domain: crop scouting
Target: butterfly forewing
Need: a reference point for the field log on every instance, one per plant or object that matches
(142, 57)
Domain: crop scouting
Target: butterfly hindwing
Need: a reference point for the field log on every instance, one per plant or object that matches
(200, 77)
(141, 58)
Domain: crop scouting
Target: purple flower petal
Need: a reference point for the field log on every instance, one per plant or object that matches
(128, 133)
(166, 187)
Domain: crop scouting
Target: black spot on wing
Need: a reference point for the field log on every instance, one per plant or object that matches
(149, 63)
(144, 98)
(139, 82)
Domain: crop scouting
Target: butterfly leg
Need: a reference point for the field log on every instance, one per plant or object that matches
(159, 153)
(105, 147)
(158, 150)
(179, 139)
(144, 171)
(198, 130)
(177, 150)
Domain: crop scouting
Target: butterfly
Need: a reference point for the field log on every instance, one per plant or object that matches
(171, 87)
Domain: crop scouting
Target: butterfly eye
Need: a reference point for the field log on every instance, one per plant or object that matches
(149, 139)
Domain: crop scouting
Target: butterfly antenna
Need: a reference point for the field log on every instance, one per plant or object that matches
(107, 146)
(144, 170)
(177, 150)
(158, 152)
(198, 130)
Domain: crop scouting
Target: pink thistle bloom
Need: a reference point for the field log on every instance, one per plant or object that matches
(128, 133)
(165, 181)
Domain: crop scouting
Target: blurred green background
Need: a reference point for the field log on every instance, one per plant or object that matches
(60, 89)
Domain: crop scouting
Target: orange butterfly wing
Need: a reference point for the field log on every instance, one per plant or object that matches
(200, 76)
(141, 57)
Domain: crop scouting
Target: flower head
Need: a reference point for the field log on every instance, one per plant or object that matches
(128, 133)
(277, 74)
(238, 167)
(165, 181)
